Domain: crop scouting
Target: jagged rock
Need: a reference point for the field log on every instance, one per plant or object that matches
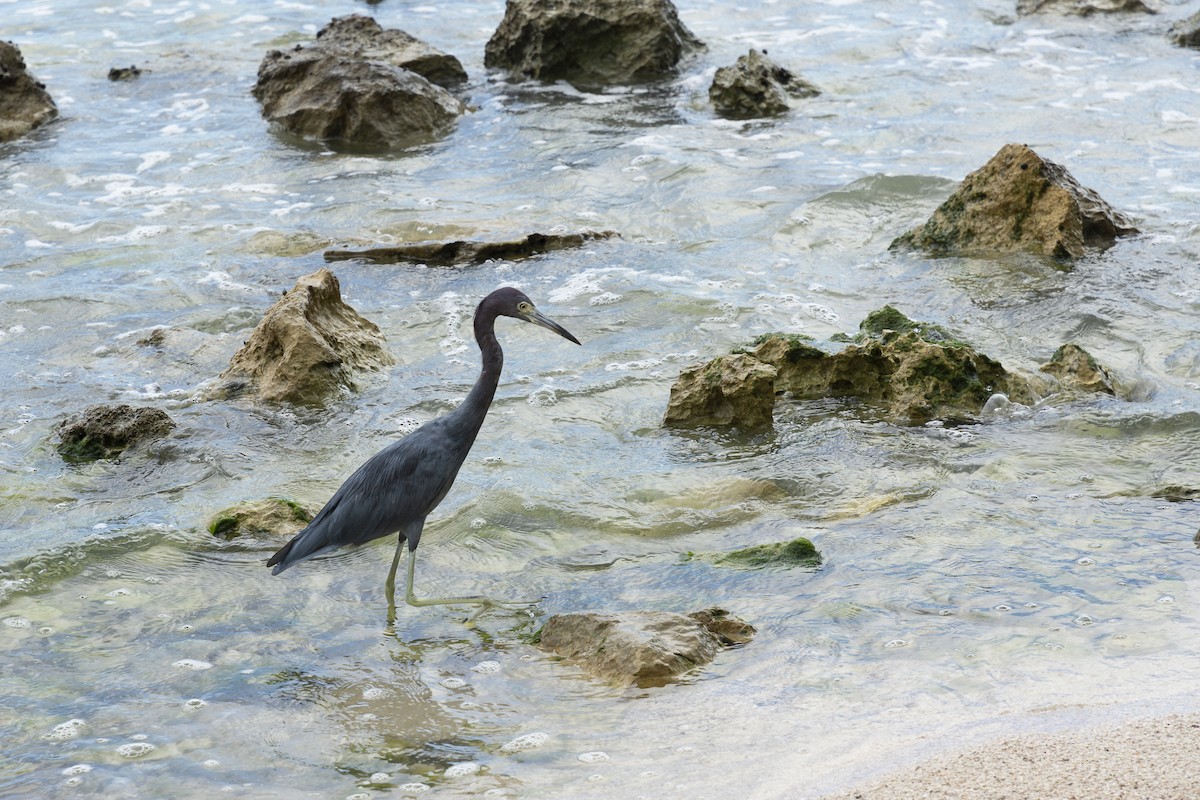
(756, 87)
(733, 390)
(1019, 201)
(1175, 493)
(1186, 32)
(276, 516)
(642, 648)
(309, 345)
(445, 254)
(1075, 368)
(24, 102)
(361, 86)
(590, 42)
(799, 552)
(1082, 8)
(107, 431)
(130, 73)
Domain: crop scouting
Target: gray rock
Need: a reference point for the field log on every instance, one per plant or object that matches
(1019, 201)
(590, 42)
(359, 86)
(736, 390)
(756, 87)
(107, 431)
(642, 648)
(1186, 32)
(1082, 8)
(308, 346)
(24, 102)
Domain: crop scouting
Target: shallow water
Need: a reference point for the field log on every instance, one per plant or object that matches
(1003, 577)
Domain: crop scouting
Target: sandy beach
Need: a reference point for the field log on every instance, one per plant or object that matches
(1145, 759)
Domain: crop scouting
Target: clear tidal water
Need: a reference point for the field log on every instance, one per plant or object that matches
(1011, 576)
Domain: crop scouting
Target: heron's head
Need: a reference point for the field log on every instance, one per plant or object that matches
(510, 302)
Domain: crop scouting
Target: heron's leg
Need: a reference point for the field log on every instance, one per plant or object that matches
(390, 586)
(474, 600)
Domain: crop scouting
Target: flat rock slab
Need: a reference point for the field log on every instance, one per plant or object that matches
(309, 345)
(642, 648)
(1019, 201)
(107, 431)
(446, 254)
(1083, 8)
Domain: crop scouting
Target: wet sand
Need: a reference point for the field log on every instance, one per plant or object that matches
(1147, 759)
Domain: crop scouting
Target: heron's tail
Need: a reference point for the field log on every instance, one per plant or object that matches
(303, 546)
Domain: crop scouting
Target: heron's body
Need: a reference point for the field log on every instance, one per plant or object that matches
(396, 489)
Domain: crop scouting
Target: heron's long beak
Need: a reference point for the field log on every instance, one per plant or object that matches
(538, 318)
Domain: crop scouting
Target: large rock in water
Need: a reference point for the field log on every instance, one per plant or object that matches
(309, 345)
(590, 42)
(642, 648)
(1018, 201)
(107, 431)
(1186, 32)
(756, 86)
(24, 102)
(733, 390)
(362, 86)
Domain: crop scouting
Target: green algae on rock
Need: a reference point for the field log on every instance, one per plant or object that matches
(799, 552)
(274, 515)
(107, 431)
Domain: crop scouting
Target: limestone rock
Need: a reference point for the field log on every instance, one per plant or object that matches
(756, 87)
(1082, 8)
(24, 102)
(1186, 32)
(1075, 368)
(276, 516)
(309, 345)
(1020, 202)
(360, 86)
(107, 431)
(444, 254)
(642, 648)
(590, 42)
(733, 390)
(130, 73)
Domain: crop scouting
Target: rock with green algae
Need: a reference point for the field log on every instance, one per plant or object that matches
(106, 431)
(1074, 368)
(274, 515)
(799, 552)
(736, 390)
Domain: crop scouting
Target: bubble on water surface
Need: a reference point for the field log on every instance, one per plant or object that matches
(543, 397)
(135, 749)
(529, 741)
(194, 664)
(118, 593)
(896, 643)
(379, 777)
(605, 299)
(194, 704)
(77, 769)
(1084, 620)
(453, 683)
(487, 667)
(593, 757)
(65, 730)
(375, 693)
(1085, 561)
(413, 788)
(463, 769)
(17, 622)
(1165, 600)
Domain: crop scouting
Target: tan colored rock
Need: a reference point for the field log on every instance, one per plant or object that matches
(756, 86)
(733, 390)
(24, 102)
(1018, 201)
(1075, 368)
(107, 431)
(642, 648)
(274, 516)
(309, 345)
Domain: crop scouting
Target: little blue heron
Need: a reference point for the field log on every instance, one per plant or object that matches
(396, 489)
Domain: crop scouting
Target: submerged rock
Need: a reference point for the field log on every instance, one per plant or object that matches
(276, 516)
(107, 431)
(642, 648)
(444, 254)
(1082, 8)
(1075, 368)
(24, 102)
(130, 73)
(362, 86)
(799, 552)
(1186, 32)
(309, 345)
(590, 42)
(1019, 202)
(733, 390)
(756, 86)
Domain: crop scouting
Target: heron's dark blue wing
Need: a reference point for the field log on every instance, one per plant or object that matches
(394, 488)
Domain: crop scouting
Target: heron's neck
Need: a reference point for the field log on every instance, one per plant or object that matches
(475, 407)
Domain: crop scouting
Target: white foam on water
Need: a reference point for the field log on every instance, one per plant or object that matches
(194, 664)
(135, 749)
(487, 667)
(463, 769)
(528, 741)
(65, 730)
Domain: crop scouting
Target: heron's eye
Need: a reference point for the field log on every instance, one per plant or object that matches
(524, 307)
